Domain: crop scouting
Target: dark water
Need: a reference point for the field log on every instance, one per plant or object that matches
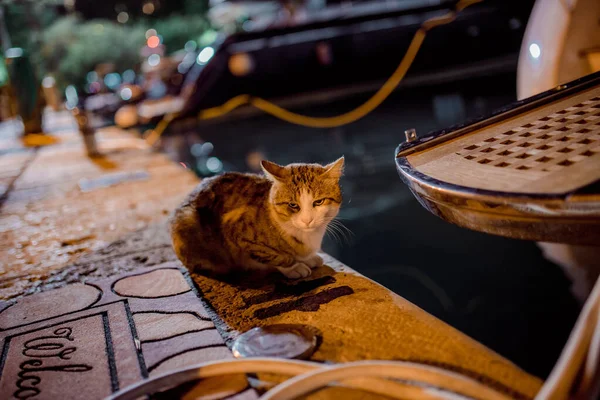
(499, 291)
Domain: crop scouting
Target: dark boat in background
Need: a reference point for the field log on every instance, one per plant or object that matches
(344, 50)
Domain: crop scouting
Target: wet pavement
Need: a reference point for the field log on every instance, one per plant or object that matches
(499, 291)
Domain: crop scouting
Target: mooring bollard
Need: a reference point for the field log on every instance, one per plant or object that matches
(77, 106)
(87, 132)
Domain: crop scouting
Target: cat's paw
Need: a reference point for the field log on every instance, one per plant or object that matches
(314, 261)
(297, 271)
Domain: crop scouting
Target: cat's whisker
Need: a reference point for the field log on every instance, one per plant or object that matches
(341, 226)
(338, 224)
(347, 235)
(330, 219)
(340, 233)
(342, 238)
(346, 231)
(333, 234)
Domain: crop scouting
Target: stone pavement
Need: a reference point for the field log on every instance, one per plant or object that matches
(133, 311)
(47, 223)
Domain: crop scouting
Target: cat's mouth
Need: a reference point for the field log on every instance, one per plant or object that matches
(306, 228)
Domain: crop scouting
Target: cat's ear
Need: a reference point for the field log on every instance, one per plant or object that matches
(335, 169)
(273, 171)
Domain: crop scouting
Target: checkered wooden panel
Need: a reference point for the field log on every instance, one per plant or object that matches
(551, 143)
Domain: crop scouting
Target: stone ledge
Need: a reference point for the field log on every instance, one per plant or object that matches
(359, 319)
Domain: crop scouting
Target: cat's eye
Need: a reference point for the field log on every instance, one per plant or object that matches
(293, 206)
(318, 202)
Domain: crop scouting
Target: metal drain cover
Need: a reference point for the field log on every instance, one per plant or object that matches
(282, 341)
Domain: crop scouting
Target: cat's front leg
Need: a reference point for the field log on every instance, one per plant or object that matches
(296, 271)
(313, 261)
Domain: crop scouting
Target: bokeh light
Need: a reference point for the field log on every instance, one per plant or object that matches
(153, 41)
(122, 17)
(92, 76)
(71, 96)
(205, 55)
(151, 32)
(129, 76)
(535, 50)
(94, 87)
(240, 64)
(126, 93)
(215, 165)
(48, 82)
(154, 60)
(202, 149)
(148, 8)
(112, 80)
(190, 45)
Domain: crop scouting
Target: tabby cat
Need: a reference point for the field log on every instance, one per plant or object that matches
(246, 221)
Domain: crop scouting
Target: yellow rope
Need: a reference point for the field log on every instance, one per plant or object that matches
(327, 122)
(157, 132)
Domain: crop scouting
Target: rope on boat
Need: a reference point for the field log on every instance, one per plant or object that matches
(326, 122)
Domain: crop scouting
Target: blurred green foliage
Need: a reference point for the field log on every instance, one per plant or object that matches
(176, 30)
(68, 47)
(71, 48)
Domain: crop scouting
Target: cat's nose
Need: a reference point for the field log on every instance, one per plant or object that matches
(307, 220)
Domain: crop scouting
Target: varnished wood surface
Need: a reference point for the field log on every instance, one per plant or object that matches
(553, 149)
